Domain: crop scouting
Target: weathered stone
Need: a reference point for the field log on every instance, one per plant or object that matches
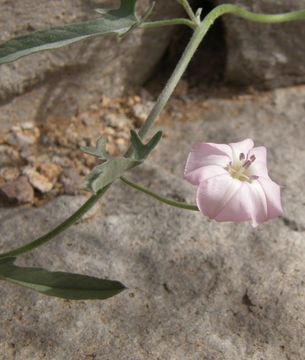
(23, 135)
(17, 192)
(71, 181)
(115, 120)
(261, 54)
(67, 80)
(38, 181)
(8, 155)
(142, 110)
(50, 171)
(197, 289)
(9, 173)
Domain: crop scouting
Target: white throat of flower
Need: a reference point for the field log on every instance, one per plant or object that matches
(240, 169)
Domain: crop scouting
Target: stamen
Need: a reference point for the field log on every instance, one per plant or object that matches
(242, 156)
(254, 177)
(252, 158)
(247, 164)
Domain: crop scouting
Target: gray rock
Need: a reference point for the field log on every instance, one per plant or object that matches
(265, 55)
(197, 289)
(66, 80)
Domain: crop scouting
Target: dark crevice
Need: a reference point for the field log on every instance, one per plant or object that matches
(247, 301)
(207, 68)
(292, 225)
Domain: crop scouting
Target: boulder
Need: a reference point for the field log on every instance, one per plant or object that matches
(263, 55)
(66, 80)
(197, 289)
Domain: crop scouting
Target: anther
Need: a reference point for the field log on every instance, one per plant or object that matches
(252, 158)
(254, 177)
(242, 156)
(247, 164)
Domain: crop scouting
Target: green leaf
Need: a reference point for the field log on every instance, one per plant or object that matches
(59, 284)
(99, 151)
(117, 21)
(104, 174)
(143, 150)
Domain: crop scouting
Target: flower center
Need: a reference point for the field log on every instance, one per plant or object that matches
(239, 170)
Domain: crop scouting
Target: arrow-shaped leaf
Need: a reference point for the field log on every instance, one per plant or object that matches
(99, 151)
(117, 21)
(59, 284)
(143, 150)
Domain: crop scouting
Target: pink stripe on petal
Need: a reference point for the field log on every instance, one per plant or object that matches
(213, 194)
(239, 208)
(247, 204)
(273, 197)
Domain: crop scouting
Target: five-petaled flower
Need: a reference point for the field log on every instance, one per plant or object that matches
(233, 182)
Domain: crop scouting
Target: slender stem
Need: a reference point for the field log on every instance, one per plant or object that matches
(60, 228)
(191, 48)
(177, 204)
(255, 17)
(189, 11)
(172, 82)
(169, 22)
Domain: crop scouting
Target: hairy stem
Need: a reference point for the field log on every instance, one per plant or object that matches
(169, 22)
(164, 200)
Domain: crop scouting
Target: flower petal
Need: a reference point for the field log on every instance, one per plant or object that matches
(206, 154)
(273, 197)
(248, 204)
(226, 199)
(259, 166)
(241, 147)
(213, 194)
(195, 177)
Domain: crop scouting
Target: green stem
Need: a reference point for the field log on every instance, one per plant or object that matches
(177, 204)
(189, 11)
(191, 48)
(255, 17)
(169, 22)
(172, 82)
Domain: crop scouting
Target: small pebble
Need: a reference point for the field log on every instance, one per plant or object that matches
(50, 170)
(71, 181)
(8, 155)
(9, 173)
(17, 192)
(38, 181)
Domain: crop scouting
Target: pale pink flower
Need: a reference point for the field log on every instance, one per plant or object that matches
(233, 182)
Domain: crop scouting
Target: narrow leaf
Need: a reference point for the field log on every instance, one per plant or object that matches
(59, 284)
(117, 21)
(143, 150)
(104, 174)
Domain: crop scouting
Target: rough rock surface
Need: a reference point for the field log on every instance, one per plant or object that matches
(265, 55)
(68, 79)
(197, 289)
